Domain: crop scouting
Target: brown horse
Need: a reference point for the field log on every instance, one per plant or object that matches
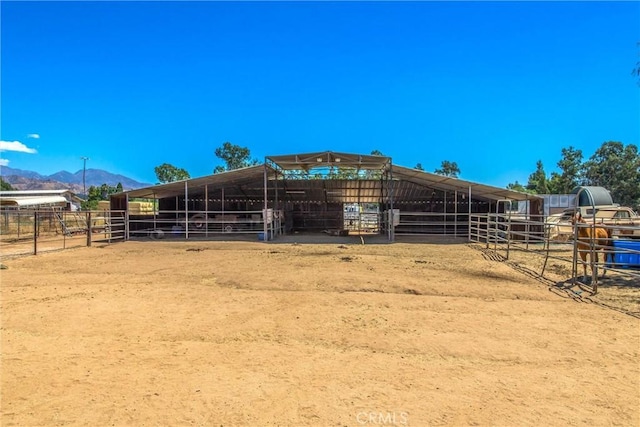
(599, 237)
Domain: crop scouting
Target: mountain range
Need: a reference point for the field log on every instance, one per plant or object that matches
(29, 180)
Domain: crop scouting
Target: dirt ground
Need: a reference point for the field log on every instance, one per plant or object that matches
(284, 334)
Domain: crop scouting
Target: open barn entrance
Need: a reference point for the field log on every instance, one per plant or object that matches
(333, 193)
(314, 217)
(320, 217)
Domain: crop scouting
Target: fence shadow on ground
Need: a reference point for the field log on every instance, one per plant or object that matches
(577, 292)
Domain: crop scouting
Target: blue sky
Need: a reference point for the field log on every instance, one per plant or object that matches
(492, 86)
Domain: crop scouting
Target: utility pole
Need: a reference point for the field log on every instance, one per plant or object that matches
(84, 173)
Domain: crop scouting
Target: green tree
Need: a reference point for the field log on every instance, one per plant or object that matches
(448, 168)
(344, 173)
(96, 194)
(538, 183)
(234, 157)
(571, 175)
(516, 186)
(5, 186)
(419, 167)
(169, 173)
(373, 174)
(617, 168)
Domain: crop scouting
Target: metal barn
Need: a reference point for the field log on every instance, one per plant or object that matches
(323, 192)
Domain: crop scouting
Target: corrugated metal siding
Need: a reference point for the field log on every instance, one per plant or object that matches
(593, 196)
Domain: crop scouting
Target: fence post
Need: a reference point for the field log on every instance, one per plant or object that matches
(126, 225)
(35, 233)
(89, 231)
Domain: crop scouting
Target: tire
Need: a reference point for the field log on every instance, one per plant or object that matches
(198, 221)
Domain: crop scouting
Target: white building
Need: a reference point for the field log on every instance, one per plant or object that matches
(37, 199)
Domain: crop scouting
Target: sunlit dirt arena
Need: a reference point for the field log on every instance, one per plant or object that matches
(290, 334)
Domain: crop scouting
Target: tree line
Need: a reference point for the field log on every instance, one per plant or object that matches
(96, 194)
(235, 157)
(614, 166)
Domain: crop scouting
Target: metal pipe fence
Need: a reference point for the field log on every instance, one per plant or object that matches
(617, 252)
(25, 232)
(203, 224)
(432, 223)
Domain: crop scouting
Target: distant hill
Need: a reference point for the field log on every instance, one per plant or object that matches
(23, 183)
(29, 180)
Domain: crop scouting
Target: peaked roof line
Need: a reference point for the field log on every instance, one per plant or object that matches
(321, 159)
(456, 184)
(329, 158)
(174, 188)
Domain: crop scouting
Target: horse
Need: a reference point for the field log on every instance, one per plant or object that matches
(599, 237)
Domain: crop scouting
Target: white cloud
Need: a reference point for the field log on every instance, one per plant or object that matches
(4, 162)
(16, 146)
(34, 135)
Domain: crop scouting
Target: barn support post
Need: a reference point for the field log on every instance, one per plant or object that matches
(359, 208)
(497, 225)
(176, 213)
(527, 222)
(264, 214)
(221, 210)
(469, 215)
(206, 209)
(275, 227)
(455, 214)
(155, 213)
(186, 209)
(444, 210)
(509, 229)
(126, 216)
(392, 228)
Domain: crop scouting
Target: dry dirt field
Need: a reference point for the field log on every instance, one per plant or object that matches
(282, 334)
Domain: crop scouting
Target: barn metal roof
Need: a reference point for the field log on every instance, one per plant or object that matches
(441, 182)
(34, 192)
(409, 185)
(66, 194)
(20, 201)
(308, 161)
(248, 175)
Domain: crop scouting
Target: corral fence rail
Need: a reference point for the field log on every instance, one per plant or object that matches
(505, 233)
(431, 223)
(204, 224)
(24, 232)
